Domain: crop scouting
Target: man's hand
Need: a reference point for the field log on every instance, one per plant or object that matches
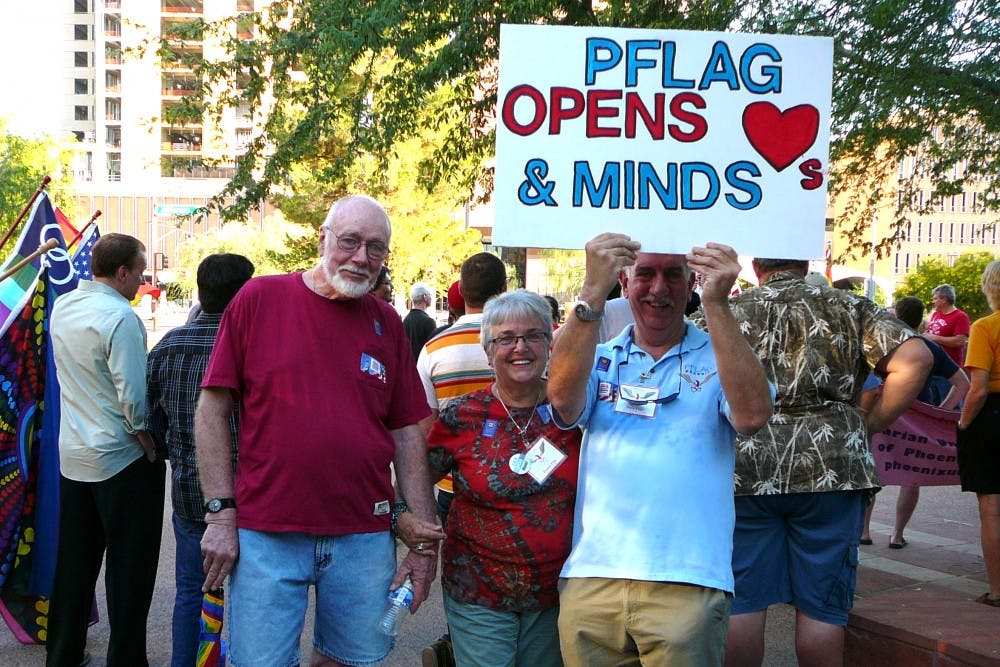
(418, 534)
(421, 568)
(221, 547)
(719, 266)
(607, 255)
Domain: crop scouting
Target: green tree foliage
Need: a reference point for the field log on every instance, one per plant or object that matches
(355, 79)
(24, 163)
(264, 248)
(964, 275)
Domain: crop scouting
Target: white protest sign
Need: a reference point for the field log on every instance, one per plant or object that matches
(675, 138)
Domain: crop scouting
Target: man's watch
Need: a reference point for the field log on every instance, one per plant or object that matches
(585, 313)
(216, 505)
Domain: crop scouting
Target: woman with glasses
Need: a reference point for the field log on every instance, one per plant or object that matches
(511, 521)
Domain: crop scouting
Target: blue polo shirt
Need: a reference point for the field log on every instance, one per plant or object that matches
(655, 495)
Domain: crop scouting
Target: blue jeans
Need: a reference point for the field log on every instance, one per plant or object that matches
(269, 590)
(189, 576)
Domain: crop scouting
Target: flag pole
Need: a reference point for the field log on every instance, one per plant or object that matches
(42, 249)
(83, 230)
(24, 212)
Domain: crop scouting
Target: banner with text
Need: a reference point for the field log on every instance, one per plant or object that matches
(673, 137)
(919, 448)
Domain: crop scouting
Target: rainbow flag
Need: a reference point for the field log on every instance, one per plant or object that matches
(211, 647)
(29, 428)
(42, 226)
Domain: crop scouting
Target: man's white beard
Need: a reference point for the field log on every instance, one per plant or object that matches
(350, 289)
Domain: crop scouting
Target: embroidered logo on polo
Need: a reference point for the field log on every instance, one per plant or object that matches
(603, 364)
(490, 428)
(372, 366)
(378, 327)
(698, 378)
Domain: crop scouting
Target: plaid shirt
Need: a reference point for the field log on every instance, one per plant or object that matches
(174, 370)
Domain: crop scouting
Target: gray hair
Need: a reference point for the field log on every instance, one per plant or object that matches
(421, 292)
(517, 305)
(945, 291)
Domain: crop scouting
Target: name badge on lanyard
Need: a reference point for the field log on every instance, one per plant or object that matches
(637, 400)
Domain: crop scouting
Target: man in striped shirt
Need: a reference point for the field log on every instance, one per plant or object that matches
(452, 364)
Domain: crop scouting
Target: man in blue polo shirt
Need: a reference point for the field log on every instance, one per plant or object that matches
(650, 571)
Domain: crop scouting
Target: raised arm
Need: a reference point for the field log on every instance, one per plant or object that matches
(740, 372)
(573, 351)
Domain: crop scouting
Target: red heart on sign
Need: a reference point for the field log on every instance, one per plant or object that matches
(781, 137)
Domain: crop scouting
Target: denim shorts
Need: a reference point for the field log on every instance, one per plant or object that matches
(269, 590)
(798, 548)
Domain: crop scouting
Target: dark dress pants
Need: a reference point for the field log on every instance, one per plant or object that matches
(124, 515)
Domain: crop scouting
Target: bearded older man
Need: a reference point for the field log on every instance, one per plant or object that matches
(329, 397)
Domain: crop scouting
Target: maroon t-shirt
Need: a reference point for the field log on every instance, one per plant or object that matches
(955, 323)
(508, 535)
(320, 384)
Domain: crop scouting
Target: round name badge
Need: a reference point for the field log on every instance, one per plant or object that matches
(519, 463)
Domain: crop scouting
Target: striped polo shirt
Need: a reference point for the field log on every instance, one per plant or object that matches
(453, 364)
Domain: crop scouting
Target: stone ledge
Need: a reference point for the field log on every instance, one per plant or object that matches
(922, 625)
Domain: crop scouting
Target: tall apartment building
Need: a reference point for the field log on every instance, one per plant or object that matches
(134, 165)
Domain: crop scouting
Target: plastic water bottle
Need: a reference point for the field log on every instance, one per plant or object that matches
(400, 601)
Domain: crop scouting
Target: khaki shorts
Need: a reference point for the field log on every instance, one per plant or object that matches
(626, 622)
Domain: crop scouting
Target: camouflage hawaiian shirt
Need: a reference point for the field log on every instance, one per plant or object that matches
(817, 345)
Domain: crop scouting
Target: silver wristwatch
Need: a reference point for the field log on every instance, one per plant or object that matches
(585, 313)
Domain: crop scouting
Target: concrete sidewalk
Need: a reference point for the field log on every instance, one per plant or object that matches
(915, 606)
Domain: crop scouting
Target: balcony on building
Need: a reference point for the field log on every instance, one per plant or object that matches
(114, 167)
(112, 26)
(113, 53)
(182, 6)
(181, 140)
(112, 5)
(179, 85)
(113, 137)
(113, 82)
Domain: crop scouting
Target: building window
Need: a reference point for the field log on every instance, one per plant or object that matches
(993, 232)
(906, 266)
(80, 59)
(80, 86)
(940, 232)
(896, 260)
(920, 199)
(920, 232)
(80, 32)
(941, 203)
(951, 232)
(961, 233)
(974, 231)
(81, 112)
(930, 232)
(81, 6)
(953, 203)
(78, 135)
(917, 263)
